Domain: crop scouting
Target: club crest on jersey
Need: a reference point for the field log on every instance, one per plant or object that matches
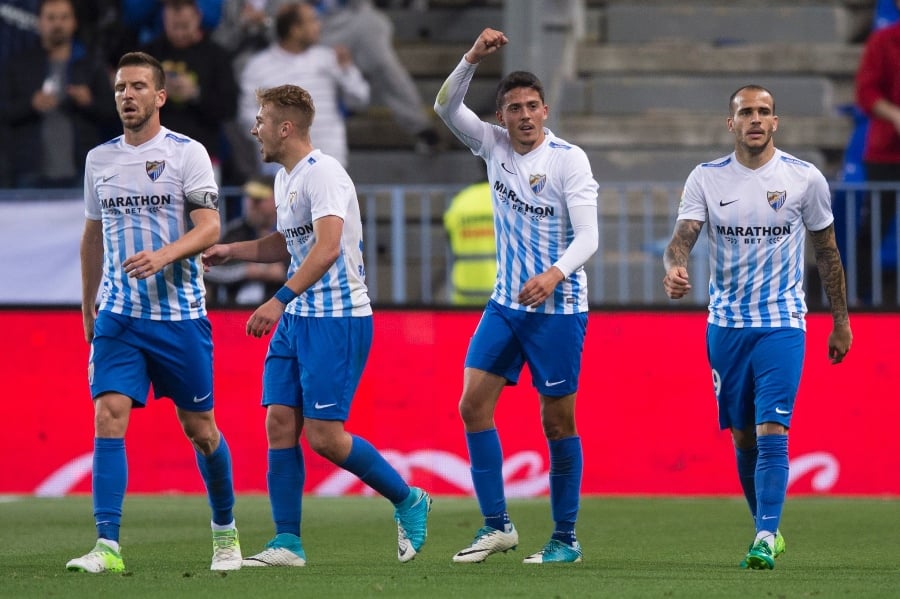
(537, 182)
(292, 197)
(776, 199)
(155, 168)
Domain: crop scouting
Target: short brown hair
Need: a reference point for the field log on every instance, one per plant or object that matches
(290, 99)
(142, 59)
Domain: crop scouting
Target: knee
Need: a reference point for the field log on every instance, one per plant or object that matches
(327, 447)
(474, 414)
(111, 415)
(206, 440)
(202, 432)
(745, 440)
(555, 430)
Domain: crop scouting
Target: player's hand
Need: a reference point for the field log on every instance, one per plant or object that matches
(487, 43)
(265, 318)
(88, 317)
(676, 282)
(539, 287)
(144, 264)
(839, 342)
(215, 255)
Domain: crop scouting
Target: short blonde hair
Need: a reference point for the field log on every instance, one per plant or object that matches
(292, 103)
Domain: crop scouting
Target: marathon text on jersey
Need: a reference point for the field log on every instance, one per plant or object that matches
(133, 201)
(509, 198)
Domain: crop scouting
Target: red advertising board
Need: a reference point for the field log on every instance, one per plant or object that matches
(646, 411)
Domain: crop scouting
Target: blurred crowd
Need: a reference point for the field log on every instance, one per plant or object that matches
(57, 58)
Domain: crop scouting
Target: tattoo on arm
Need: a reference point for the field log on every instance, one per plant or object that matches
(683, 239)
(828, 261)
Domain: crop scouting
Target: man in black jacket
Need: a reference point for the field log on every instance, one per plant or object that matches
(56, 102)
(199, 79)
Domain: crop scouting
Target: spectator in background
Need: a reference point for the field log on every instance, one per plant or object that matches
(18, 27)
(469, 222)
(369, 35)
(54, 100)
(329, 75)
(878, 95)
(248, 283)
(18, 32)
(247, 26)
(145, 20)
(202, 91)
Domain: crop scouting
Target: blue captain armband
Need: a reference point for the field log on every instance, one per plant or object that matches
(285, 295)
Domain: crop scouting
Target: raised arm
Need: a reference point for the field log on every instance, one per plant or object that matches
(459, 118)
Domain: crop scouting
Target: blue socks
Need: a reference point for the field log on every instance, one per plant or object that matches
(746, 467)
(486, 457)
(109, 479)
(216, 471)
(285, 479)
(370, 467)
(771, 480)
(566, 465)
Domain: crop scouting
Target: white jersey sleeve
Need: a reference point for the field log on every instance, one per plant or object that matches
(458, 117)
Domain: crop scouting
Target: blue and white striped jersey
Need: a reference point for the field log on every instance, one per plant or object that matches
(532, 194)
(319, 186)
(756, 224)
(139, 192)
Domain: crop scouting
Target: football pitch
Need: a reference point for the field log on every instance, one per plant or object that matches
(634, 547)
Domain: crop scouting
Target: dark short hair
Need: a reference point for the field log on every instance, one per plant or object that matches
(751, 87)
(142, 59)
(518, 79)
(286, 17)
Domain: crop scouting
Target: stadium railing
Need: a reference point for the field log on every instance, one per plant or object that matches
(408, 258)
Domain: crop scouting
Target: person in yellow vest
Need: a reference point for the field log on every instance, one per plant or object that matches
(469, 222)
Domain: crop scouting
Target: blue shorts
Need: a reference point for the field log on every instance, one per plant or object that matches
(756, 373)
(551, 345)
(175, 356)
(316, 363)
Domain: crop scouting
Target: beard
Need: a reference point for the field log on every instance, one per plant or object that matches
(135, 121)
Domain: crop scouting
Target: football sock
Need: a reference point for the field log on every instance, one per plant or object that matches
(566, 466)
(221, 527)
(370, 466)
(771, 480)
(746, 467)
(498, 521)
(109, 479)
(486, 457)
(767, 536)
(285, 478)
(216, 471)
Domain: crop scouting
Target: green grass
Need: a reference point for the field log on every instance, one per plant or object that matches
(634, 547)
